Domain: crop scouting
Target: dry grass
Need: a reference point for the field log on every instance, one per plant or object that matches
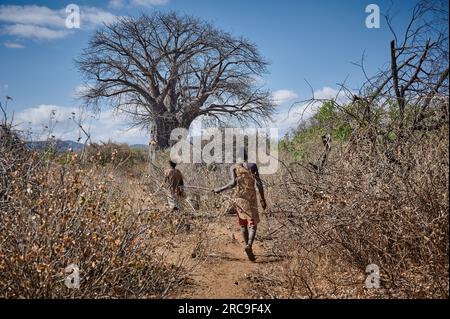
(110, 218)
(364, 209)
(55, 213)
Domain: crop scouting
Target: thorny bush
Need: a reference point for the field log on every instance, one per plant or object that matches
(55, 214)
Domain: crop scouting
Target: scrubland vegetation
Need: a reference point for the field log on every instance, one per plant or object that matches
(363, 181)
(383, 204)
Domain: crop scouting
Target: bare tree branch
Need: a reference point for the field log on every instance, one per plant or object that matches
(166, 70)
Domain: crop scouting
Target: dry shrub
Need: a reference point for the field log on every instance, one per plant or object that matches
(117, 155)
(54, 215)
(200, 180)
(364, 209)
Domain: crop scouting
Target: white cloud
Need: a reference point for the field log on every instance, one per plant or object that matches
(56, 120)
(327, 93)
(32, 14)
(289, 118)
(13, 45)
(40, 116)
(116, 4)
(80, 90)
(148, 3)
(120, 4)
(92, 17)
(42, 23)
(35, 32)
(283, 96)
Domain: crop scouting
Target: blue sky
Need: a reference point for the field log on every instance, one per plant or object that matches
(312, 40)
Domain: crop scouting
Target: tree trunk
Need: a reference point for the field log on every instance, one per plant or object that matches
(164, 127)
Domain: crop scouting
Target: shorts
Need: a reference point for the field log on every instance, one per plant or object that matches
(246, 222)
(246, 212)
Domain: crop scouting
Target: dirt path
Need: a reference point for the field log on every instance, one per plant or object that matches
(225, 273)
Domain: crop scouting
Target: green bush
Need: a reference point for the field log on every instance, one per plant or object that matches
(327, 120)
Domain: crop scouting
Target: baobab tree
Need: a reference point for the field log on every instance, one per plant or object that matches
(164, 70)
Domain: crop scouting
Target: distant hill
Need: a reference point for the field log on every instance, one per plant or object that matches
(65, 146)
(139, 146)
(61, 146)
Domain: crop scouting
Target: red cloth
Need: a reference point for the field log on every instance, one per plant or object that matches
(246, 222)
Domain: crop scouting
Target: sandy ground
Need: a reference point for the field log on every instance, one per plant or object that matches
(225, 271)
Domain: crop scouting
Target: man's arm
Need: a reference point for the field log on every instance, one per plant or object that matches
(259, 185)
(181, 186)
(231, 184)
(181, 180)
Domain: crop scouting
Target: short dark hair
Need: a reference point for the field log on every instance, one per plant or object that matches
(172, 164)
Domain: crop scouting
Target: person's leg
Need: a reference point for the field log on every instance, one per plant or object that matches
(171, 202)
(252, 234)
(244, 223)
(245, 234)
(251, 237)
(244, 229)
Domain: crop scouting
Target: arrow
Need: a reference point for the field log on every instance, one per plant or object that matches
(198, 187)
